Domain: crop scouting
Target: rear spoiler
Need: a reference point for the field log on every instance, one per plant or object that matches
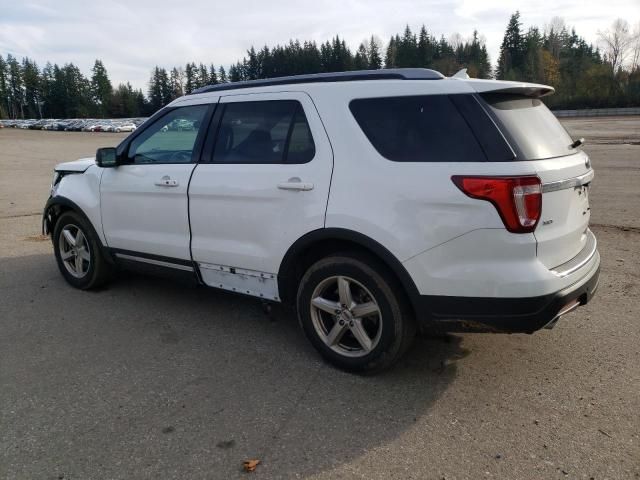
(534, 90)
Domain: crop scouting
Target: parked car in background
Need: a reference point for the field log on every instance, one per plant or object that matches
(85, 125)
(126, 127)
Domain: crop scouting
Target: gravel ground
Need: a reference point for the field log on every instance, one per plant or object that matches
(152, 379)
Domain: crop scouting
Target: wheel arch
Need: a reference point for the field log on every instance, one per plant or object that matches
(319, 243)
(58, 205)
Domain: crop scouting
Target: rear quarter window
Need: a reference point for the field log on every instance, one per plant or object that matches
(425, 128)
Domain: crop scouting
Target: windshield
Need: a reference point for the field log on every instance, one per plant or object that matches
(529, 126)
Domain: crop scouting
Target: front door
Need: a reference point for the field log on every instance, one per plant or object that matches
(265, 185)
(144, 202)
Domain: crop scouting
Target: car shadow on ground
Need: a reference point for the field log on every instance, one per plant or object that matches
(148, 377)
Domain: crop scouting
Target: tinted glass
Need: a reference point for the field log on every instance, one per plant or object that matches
(301, 148)
(264, 132)
(170, 139)
(493, 143)
(425, 128)
(530, 126)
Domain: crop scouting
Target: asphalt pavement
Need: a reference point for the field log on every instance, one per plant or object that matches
(147, 378)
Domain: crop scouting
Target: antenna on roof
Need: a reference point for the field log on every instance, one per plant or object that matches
(461, 74)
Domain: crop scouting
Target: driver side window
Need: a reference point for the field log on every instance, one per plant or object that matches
(170, 139)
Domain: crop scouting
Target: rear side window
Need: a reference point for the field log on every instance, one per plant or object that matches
(531, 128)
(268, 132)
(426, 128)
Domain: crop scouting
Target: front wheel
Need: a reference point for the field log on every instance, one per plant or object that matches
(354, 313)
(78, 253)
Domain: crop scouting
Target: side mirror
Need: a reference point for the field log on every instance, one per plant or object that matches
(106, 157)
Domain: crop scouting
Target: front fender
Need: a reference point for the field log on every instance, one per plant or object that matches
(80, 193)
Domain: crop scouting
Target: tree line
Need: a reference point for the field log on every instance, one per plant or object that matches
(584, 76)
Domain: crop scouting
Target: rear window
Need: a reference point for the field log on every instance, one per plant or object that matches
(530, 126)
(426, 128)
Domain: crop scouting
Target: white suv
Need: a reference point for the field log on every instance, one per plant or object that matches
(376, 202)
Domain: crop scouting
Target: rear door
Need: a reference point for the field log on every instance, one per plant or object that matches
(537, 136)
(265, 184)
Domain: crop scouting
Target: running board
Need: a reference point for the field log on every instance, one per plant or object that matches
(249, 282)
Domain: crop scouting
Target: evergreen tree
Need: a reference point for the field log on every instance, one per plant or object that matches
(407, 49)
(512, 51)
(47, 85)
(32, 88)
(426, 49)
(373, 51)
(4, 89)
(142, 106)
(123, 102)
(101, 88)
(312, 63)
(56, 92)
(15, 94)
(159, 89)
(176, 83)
(165, 87)
(236, 72)
(361, 59)
(222, 75)
(391, 54)
(213, 76)
(252, 65)
(190, 78)
(76, 93)
(473, 56)
(202, 76)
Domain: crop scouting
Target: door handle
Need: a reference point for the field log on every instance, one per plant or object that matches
(166, 181)
(294, 183)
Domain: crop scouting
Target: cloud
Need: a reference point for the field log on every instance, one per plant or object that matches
(131, 37)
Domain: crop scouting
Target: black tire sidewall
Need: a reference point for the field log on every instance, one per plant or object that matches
(72, 218)
(390, 309)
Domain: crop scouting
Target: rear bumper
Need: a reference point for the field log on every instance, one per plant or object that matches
(506, 315)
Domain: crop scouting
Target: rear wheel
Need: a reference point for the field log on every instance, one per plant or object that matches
(78, 253)
(353, 313)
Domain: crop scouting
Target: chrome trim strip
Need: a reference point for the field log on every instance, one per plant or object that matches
(580, 260)
(568, 183)
(154, 262)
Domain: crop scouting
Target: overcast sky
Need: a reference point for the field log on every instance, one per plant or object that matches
(133, 36)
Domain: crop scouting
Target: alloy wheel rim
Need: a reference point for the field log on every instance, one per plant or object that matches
(346, 316)
(74, 251)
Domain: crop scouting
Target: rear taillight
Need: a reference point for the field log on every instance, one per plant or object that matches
(518, 200)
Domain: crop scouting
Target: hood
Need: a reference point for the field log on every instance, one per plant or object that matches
(76, 166)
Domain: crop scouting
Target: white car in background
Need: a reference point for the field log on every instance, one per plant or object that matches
(127, 127)
(374, 202)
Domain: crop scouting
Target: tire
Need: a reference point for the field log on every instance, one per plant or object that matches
(378, 309)
(84, 266)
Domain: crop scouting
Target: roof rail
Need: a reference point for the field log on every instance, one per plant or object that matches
(383, 74)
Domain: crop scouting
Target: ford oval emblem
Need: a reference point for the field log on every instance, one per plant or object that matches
(587, 162)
